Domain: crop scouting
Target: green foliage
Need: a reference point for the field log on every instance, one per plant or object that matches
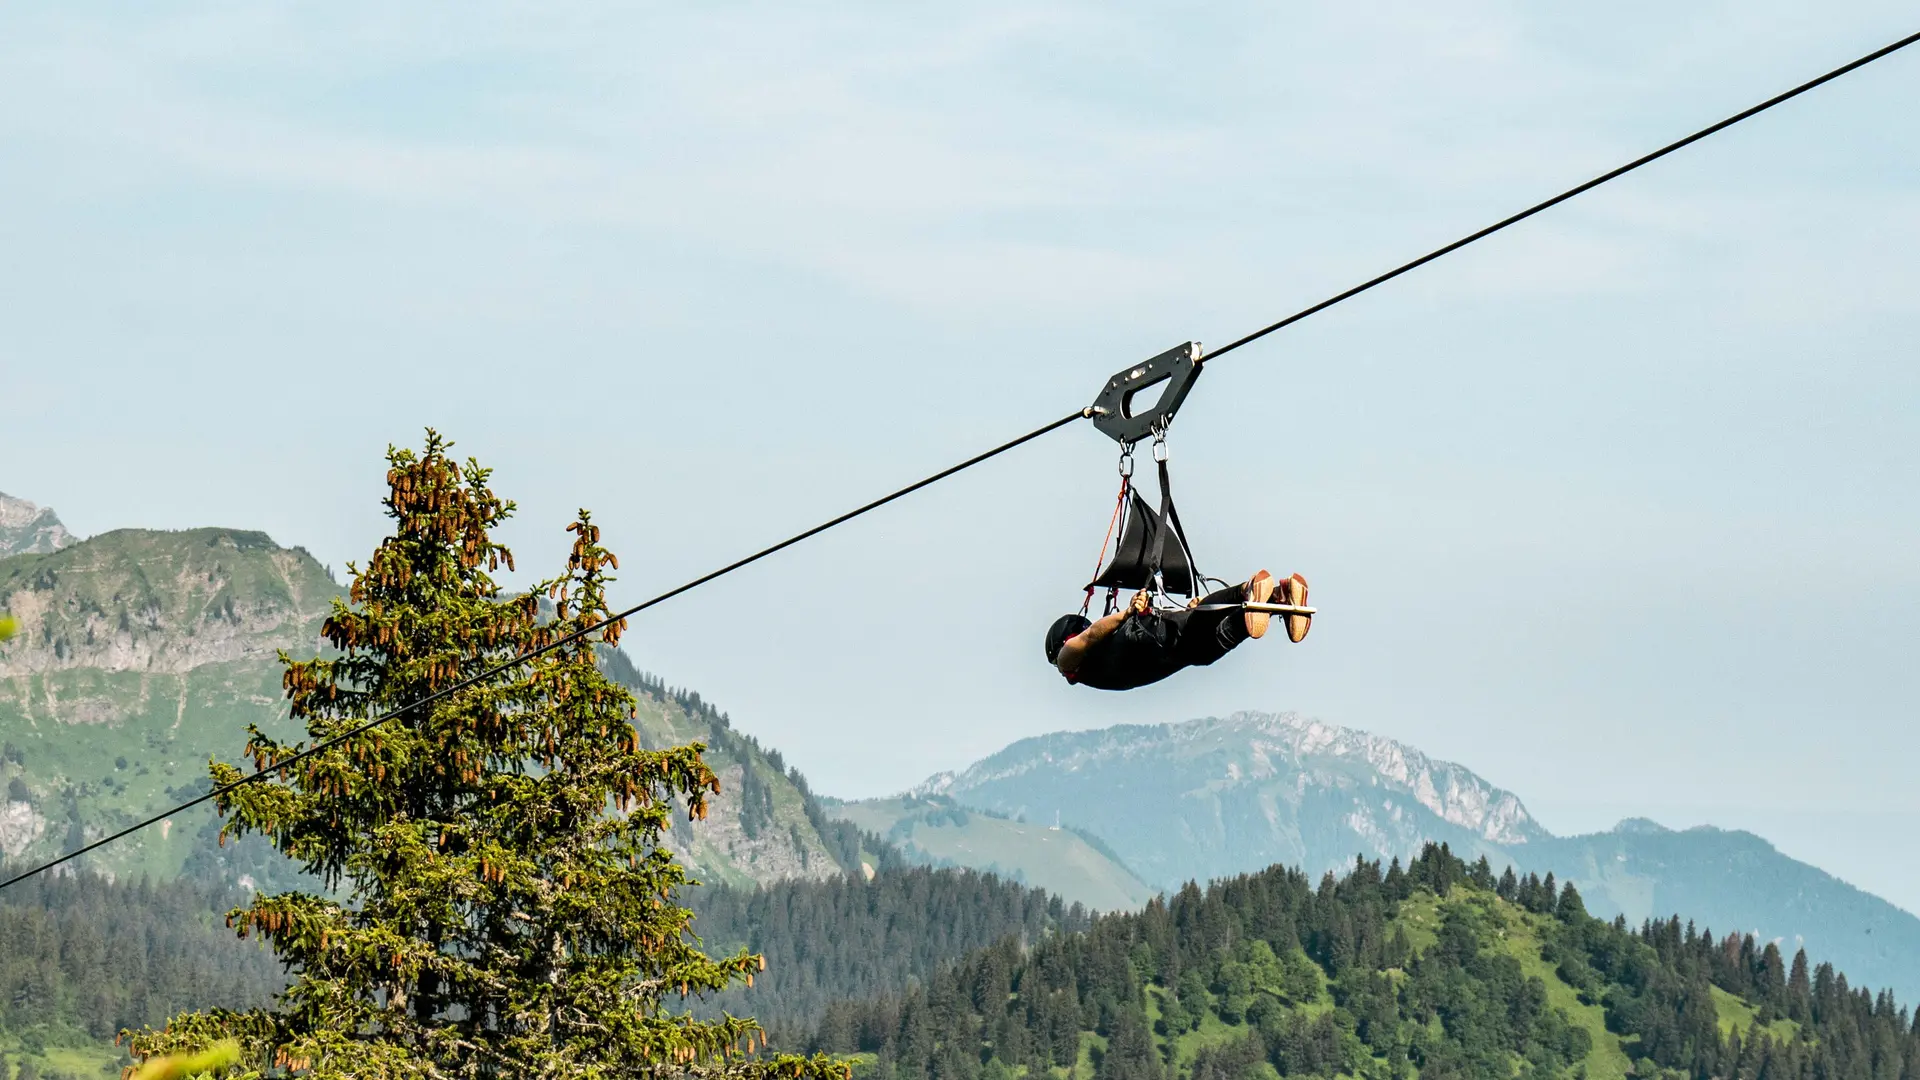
(1265, 976)
(504, 905)
(82, 957)
(217, 1058)
(168, 641)
(850, 937)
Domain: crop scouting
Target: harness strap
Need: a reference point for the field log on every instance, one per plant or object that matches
(1170, 522)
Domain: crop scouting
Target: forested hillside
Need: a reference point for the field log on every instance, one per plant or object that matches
(82, 958)
(852, 937)
(1438, 970)
(1220, 796)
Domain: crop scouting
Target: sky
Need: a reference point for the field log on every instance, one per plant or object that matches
(1618, 508)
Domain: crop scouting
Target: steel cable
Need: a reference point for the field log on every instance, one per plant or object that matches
(1303, 313)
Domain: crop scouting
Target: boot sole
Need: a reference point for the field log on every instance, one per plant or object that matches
(1297, 625)
(1259, 591)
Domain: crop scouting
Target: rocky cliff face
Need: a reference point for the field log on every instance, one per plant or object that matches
(161, 603)
(20, 826)
(28, 529)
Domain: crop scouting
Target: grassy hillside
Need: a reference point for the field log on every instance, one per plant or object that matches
(1063, 861)
(140, 654)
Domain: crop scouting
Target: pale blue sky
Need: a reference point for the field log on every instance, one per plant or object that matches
(1618, 509)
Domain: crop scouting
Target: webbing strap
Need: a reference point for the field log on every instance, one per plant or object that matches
(1170, 523)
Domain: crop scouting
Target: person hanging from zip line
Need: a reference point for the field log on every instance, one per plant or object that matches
(1155, 634)
(1140, 644)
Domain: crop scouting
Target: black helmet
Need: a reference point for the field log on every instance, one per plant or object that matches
(1063, 628)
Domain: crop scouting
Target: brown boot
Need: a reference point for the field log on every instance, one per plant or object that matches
(1258, 591)
(1294, 589)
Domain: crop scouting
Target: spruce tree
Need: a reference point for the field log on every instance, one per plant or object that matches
(1570, 908)
(499, 903)
(1799, 990)
(1130, 1053)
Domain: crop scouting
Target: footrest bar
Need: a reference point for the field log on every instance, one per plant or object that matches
(1279, 609)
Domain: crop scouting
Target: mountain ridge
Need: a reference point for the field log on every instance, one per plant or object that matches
(143, 652)
(1466, 800)
(1211, 797)
(1182, 802)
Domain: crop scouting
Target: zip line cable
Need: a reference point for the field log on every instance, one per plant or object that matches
(1077, 414)
(474, 680)
(1523, 215)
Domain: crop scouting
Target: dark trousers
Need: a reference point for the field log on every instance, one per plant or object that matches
(1205, 636)
(1150, 647)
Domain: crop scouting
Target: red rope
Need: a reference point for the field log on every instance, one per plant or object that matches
(1112, 522)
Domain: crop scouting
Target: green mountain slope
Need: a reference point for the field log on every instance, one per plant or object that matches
(1436, 971)
(939, 832)
(766, 825)
(858, 936)
(141, 654)
(1215, 797)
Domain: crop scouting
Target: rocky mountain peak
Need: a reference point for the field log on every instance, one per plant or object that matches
(938, 784)
(27, 529)
(1452, 791)
(1254, 749)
